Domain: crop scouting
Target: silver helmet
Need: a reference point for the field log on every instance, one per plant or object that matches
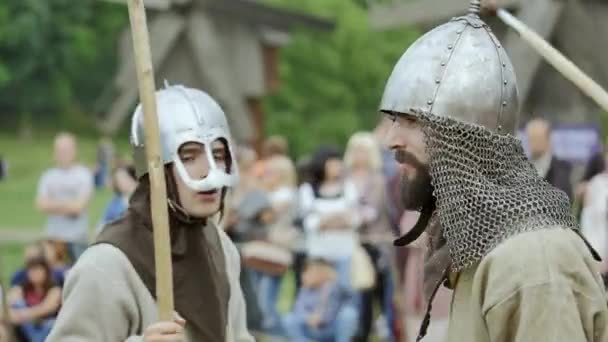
(186, 115)
(458, 69)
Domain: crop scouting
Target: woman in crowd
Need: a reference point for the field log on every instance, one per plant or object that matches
(329, 207)
(364, 167)
(33, 305)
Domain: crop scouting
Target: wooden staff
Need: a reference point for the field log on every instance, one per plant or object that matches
(573, 73)
(158, 196)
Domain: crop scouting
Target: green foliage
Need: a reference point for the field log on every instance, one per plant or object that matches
(55, 57)
(332, 83)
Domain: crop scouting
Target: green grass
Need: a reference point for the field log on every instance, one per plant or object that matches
(27, 161)
(11, 259)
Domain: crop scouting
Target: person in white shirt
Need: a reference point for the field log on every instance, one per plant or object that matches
(329, 207)
(64, 193)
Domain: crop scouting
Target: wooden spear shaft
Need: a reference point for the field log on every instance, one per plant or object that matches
(588, 86)
(158, 196)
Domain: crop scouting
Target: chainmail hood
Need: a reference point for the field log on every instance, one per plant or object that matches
(486, 189)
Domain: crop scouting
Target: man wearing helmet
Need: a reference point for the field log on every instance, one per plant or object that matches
(109, 294)
(501, 237)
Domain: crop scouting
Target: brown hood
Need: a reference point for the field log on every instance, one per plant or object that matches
(200, 282)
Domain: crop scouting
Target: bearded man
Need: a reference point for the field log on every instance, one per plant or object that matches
(500, 236)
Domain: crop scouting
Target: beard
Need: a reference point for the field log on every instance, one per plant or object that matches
(416, 194)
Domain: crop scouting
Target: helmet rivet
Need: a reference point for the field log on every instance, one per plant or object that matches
(505, 82)
(450, 47)
(442, 63)
(504, 65)
(499, 128)
(437, 81)
(504, 103)
(429, 102)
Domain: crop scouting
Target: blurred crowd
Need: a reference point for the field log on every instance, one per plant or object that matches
(315, 234)
(328, 223)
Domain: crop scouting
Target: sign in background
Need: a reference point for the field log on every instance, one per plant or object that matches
(575, 143)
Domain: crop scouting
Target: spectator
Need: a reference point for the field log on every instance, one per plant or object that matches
(275, 145)
(595, 165)
(280, 182)
(64, 193)
(321, 311)
(328, 205)
(594, 216)
(364, 164)
(555, 171)
(266, 262)
(303, 171)
(31, 252)
(246, 158)
(33, 306)
(124, 183)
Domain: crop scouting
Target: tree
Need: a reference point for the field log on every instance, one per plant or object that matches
(332, 83)
(54, 56)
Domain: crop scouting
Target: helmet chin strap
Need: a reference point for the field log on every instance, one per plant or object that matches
(425, 215)
(177, 208)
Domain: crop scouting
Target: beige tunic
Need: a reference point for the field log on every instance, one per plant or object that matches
(541, 286)
(105, 300)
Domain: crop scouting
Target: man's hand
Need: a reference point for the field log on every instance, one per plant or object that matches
(314, 321)
(166, 331)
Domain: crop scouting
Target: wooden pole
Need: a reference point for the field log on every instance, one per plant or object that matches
(588, 86)
(158, 196)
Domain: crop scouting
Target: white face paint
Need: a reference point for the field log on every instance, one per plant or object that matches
(188, 116)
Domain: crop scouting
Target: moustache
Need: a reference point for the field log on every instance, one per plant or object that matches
(405, 157)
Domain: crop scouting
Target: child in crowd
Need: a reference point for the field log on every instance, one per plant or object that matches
(322, 311)
(47, 250)
(34, 304)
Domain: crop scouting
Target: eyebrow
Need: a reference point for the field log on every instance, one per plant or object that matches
(190, 149)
